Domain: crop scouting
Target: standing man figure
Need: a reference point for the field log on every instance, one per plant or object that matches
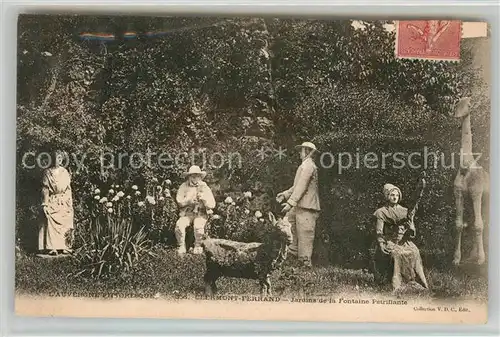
(196, 201)
(302, 207)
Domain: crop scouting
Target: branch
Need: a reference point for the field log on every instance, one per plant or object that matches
(50, 90)
(269, 65)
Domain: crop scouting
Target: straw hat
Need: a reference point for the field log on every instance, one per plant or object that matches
(308, 145)
(195, 170)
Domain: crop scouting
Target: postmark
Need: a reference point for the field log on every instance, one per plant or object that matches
(428, 39)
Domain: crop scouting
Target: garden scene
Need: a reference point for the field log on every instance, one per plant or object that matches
(235, 96)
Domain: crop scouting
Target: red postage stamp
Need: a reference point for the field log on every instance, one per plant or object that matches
(428, 39)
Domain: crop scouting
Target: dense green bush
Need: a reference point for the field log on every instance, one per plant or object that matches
(235, 218)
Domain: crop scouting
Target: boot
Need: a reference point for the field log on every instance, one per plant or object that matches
(181, 241)
(181, 250)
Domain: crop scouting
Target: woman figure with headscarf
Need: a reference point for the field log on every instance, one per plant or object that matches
(56, 231)
(396, 256)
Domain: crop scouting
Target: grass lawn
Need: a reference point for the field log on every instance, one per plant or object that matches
(168, 275)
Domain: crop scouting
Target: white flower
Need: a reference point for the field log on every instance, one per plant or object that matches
(261, 219)
(109, 204)
(46, 53)
(168, 182)
(128, 197)
(140, 203)
(117, 186)
(233, 203)
(97, 191)
(158, 188)
(97, 197)
(247, 211)
(111, 191)
(134, 187)
(161, 198)
(258, 214)
(137, 192)
(110, 210)
(116, 198)
(228, 200)
(216, 217)
(247, 194)
(151, 200)
(120, 194)
(209, 211)
(103, 200)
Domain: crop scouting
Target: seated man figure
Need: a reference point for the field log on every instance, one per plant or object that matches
(195, 200)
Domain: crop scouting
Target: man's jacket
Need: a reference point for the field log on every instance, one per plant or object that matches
(304, 192)
(188, 193)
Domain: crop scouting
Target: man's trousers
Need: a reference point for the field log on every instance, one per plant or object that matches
(183, 223)
(303, 223)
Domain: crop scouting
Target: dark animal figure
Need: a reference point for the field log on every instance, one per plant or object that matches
(252, 260)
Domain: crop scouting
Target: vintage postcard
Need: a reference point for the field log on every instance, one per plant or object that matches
(253, 168)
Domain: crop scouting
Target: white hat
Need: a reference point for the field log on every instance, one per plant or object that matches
(195, 170)
(388, 188)
(309, 145)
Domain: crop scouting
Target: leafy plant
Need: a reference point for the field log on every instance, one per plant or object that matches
(234, 219)
(114, 243)
(161, 211)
